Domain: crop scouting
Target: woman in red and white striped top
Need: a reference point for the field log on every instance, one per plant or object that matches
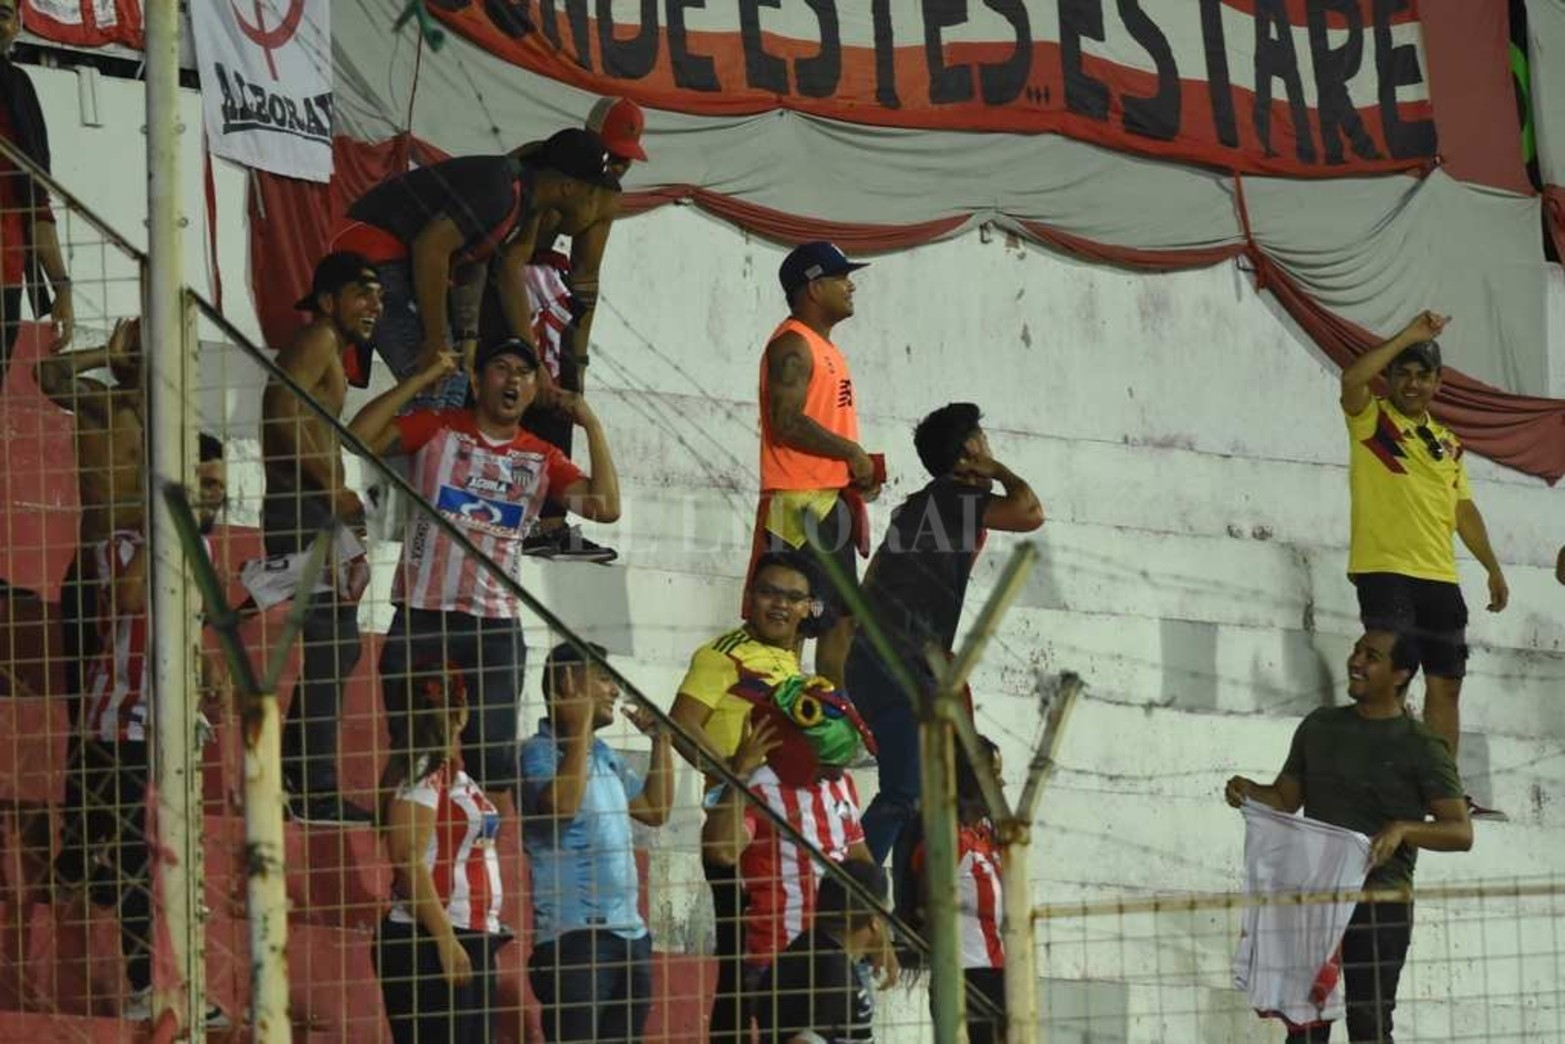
(435, 950)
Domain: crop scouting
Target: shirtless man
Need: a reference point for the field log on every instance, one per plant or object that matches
(109, 441)
(564, 295)
(306, 491)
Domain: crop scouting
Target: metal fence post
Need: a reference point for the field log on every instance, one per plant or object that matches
(168, 358)
(947, 986)
(1022, 1021)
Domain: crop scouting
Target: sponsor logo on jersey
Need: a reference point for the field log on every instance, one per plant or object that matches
(495, 516)
(478, 484)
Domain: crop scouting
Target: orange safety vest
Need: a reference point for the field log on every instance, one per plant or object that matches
(828, 402)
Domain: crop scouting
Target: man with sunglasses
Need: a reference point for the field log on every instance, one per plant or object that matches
(1410, 493)
(780, 596)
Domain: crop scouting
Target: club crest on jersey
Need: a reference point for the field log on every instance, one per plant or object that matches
(494, 516)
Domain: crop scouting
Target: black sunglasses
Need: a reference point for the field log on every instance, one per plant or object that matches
(1431, 443)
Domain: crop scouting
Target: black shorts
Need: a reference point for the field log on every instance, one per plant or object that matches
(835, 534)
(1431, 610)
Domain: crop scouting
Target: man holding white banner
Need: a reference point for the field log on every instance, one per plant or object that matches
(1372, 768)
(266, 84)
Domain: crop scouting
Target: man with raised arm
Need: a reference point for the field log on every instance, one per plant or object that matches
(591, 963)
(110, 442)
(104, 840)
(306, 491)
(481, 472)
(916, 585)
(814, 474)
(1371, 768)
(1409, 494)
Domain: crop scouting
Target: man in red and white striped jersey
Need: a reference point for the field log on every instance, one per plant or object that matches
(108, 833)
(480, 472)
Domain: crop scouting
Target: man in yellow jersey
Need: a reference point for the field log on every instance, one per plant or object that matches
(782, 586)
(1409, 492)
(814, 473)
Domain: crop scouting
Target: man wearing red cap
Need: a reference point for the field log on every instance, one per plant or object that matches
(563, 292)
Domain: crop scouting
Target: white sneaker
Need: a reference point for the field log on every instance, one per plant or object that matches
(138, 1008)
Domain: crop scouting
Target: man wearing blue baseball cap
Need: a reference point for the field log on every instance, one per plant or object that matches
(815, 476)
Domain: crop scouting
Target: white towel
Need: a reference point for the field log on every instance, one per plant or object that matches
(275, 579)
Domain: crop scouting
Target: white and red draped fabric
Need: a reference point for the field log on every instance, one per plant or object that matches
(1362, 157)
(84, 23)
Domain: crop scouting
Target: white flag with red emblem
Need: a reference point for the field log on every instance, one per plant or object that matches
(266, 79)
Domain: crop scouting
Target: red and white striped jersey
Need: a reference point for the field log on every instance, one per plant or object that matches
(978, 897)
(118, 686)
(978, 891)
(551, 304)
(779, 877)
(492, 491)
(461, 854)
(117, 683)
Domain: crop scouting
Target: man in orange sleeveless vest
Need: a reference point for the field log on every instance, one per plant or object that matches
(815, 477)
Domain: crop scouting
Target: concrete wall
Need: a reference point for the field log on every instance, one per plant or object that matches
(1188, 447)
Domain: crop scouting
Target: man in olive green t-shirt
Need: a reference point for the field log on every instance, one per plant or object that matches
(1371, 767)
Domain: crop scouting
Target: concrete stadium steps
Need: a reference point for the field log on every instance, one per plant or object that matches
(1105, 1012)
(1130, 645)
(1157, 753)
(1155, 485)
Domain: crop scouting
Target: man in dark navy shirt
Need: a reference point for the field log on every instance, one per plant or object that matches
(915, 587)
(436, 224)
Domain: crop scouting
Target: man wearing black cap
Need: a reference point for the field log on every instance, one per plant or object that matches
(424, 227)
(814, 474)
(1409, 493)
(307, 491)
(481, 472)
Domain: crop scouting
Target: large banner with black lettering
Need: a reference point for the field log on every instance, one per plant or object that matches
(1297, 87)
(266, 82)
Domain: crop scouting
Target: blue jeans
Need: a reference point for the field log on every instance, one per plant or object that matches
(891, 822)
(490, 654)
(892, 721)
(593, 985)
(400, 333)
